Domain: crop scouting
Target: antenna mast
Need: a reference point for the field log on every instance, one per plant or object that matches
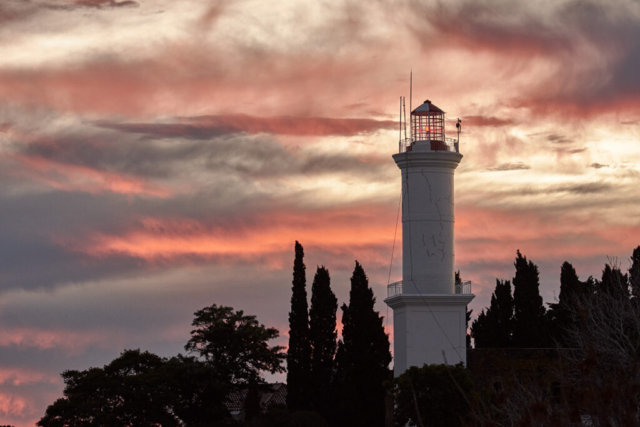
(405, 118)
(410, 93)
(400, 135)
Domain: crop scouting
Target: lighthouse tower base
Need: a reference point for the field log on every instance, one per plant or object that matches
(426, 326)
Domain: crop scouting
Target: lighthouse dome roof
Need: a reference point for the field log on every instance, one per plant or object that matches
(427, 109)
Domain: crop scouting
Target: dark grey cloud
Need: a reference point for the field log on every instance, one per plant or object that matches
(229, 171)
(179, 154)
(570, 150)
(514, 30)
(30, 259)
(205, 127)
(510, 167)
(598, 165)
(587, 188)
(558, 139)
(91, 4)
(99, 4)
(577, 189)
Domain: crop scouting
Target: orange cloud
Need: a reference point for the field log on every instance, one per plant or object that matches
(160, 239)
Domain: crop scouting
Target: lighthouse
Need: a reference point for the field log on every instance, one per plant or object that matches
(429, 307)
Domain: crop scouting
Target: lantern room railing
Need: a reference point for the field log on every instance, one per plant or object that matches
(448, 144)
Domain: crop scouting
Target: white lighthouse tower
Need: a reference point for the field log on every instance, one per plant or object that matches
(429, 308)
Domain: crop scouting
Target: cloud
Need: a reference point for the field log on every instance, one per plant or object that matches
(510, 167)
(167, 160)
(598, 165)
(206, 127)
(586, 53)
(99, 4)
(70, 177)
(91, 4)
(586, 188)
(562, 151)
(11, 406)
(558, 139)
(165, 239)
(481, 121)
(11, 13)
(18, 376)
(500, 27)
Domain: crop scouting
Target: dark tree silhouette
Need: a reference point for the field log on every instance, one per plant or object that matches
(234, 344)
(493, 329)
(469, 312)
(597, 377)
(613, 281)
(362, 359)
(299, 352)
(141, 389)
(529, 325)
(252, 407)
(323, 335)
(634, 273)
(572, 290)
(433, 396)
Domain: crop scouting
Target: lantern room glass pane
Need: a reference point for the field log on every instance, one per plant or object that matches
(428, 127)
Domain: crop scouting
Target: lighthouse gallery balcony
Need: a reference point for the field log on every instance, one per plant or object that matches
(395, 288)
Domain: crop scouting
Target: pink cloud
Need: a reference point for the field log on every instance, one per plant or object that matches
(487, 235)
(19, 376)
(42, 339)
(12, 406)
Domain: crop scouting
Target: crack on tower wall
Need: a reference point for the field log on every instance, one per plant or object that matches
(449, 199)
(428, 184)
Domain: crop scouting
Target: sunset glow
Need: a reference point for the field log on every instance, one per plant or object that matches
(160, 156)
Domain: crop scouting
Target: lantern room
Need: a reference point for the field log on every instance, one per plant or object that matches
(427, 123)
(427, 131)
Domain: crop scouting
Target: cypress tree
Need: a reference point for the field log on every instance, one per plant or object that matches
(572, 289)
(468, 334)
(363, 358)
(299, 352)
(570, 285)
(493, 329)
(529, 325)
(479, 333)
(323, 335)
(634, 273)
(501, 313)
(614, 282)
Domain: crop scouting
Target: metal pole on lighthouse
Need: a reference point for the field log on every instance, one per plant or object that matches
(429, 309)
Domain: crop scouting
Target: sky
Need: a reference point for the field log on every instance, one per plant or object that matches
(157, 157)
